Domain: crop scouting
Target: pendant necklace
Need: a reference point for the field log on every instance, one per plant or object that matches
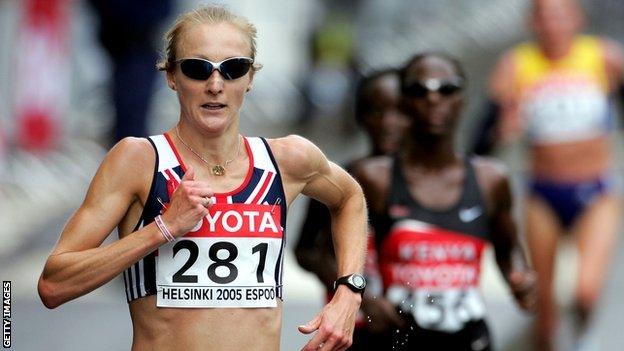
(217, 169)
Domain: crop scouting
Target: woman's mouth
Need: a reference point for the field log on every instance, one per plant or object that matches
(213, 106)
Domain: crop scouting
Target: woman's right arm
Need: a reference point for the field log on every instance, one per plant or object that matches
(78, 264)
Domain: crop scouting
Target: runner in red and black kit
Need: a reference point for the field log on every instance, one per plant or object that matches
(433, 211)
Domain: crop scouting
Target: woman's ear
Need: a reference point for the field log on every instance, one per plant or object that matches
(171, 81)
(251, 80)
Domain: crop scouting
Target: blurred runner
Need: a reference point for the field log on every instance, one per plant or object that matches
(557, 90)
(433, 211)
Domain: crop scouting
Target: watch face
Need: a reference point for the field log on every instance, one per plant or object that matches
(359, 281)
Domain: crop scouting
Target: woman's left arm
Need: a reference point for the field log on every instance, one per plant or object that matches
(306, 170)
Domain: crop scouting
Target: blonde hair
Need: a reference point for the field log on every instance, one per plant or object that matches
(200, 15)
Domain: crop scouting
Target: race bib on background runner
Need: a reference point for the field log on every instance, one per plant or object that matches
(442, 310)
(565, 109)
(228, 260)
(433, 273)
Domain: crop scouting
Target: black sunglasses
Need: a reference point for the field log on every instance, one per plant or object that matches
(201, 69)
(420, 89)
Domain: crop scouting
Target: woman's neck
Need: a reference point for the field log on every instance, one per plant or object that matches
(213, 149)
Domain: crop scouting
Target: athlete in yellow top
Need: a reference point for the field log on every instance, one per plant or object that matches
(556, 91)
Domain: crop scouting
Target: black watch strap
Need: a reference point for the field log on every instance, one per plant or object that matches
(356, 282)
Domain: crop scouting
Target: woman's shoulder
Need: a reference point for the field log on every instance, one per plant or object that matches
(126, 169)
(293, 148)
(291, 140)
(130, 156)
(132, 149)
(297, 156)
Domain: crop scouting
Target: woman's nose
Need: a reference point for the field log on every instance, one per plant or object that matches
(214, 84)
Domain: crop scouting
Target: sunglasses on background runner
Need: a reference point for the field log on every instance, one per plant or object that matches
(420, 89)
(201, 69)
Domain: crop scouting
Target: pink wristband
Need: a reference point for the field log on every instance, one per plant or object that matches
(163, 228)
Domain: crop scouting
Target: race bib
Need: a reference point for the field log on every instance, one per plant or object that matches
(433, 274)
(229, 260)
(572, 110)
(440, 310)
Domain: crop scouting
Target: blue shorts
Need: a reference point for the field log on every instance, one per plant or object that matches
(569, 200)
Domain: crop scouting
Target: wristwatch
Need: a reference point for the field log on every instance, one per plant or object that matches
(355, 282)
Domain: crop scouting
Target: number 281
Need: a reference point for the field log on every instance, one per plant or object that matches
(193, 249)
